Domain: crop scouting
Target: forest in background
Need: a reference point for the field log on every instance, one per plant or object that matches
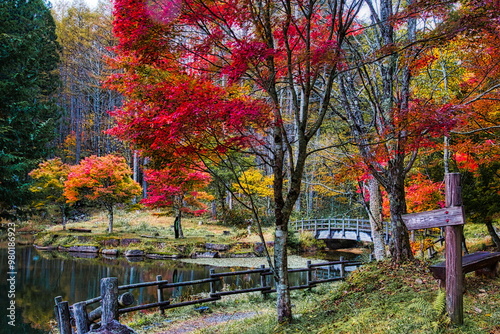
(71, 119)
(261, 111)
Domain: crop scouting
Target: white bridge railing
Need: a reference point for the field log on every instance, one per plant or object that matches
(335, 224)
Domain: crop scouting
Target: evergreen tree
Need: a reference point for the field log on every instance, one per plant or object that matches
(28, 60)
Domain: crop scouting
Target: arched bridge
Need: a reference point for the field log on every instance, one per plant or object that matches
(338, 228)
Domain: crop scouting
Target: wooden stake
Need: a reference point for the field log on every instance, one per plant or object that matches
(64, 317)
(109, 302)
(159, 294)
(81, 318)
(453, 238)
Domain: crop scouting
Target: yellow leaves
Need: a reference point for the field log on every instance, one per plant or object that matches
(49, 179)
(253, 182)
(440, 80)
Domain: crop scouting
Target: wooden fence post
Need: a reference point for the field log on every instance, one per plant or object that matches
(57, 300)
(159, 293)
(309, 274)
(263, 281)
(212, 283)
(454, 275)
(63, 316)
(109, 302)
(81, 318)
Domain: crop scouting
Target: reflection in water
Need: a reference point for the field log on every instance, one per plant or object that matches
(41, 276)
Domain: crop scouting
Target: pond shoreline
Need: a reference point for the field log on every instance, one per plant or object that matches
(163, 248)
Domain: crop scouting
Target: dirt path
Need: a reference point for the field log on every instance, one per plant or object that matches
(191, 325)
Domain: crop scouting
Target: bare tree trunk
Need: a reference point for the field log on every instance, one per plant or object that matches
(178, 233)
(283, 303)
(376, 219)
(493, 233)
(64, 218)
(110, 217)
(399, 244)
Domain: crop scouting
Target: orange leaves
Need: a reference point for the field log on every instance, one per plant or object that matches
(101, 180)
(422, 194)
(465, 161)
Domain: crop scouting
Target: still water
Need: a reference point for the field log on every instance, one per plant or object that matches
(41, 276)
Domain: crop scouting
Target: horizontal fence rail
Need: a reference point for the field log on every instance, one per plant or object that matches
(75, 318)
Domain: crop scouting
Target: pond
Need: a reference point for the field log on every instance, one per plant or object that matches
(41, 276)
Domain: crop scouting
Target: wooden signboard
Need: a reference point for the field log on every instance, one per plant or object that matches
(435, 218)
(452, 218)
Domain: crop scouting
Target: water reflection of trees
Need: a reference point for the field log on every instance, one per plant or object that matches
(45, 275)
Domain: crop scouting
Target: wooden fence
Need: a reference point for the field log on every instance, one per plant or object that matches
(76, 319)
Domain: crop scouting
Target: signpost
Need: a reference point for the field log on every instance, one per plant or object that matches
(452, 219)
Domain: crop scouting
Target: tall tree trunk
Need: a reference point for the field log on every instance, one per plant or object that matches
(399, 244)
(64, 218)
(110, 218)
(376, 219)
(178, 226)
(283, 302)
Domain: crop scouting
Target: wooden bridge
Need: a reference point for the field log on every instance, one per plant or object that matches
(338, 228)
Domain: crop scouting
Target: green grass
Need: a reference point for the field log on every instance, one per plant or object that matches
(153, 229)
(379, 298)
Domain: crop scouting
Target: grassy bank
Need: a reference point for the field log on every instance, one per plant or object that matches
(379, 298)
(151, 232)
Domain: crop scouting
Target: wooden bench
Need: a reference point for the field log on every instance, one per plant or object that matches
(480, 262)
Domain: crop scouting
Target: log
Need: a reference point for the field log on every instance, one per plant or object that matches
(80, 230)
(124, 300)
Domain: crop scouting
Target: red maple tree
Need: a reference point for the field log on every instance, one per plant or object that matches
(180, 189)
(206, 78)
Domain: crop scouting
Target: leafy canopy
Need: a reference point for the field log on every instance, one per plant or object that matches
(178, 188)
(103, 181)
(49, 179)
